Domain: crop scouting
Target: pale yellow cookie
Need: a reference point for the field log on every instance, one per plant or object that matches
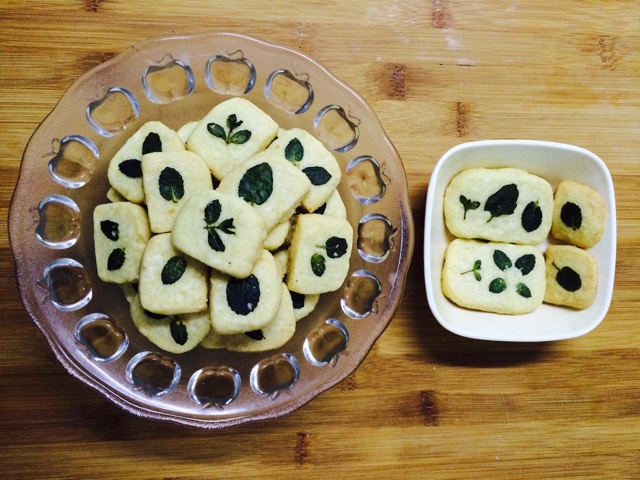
(579, 214)
(499, 204)
(120, 232)
(125, 169)
(572, 276)
(170, 281)
(231, 133)
(494, 277)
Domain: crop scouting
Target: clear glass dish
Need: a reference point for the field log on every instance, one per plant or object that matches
(86, 322)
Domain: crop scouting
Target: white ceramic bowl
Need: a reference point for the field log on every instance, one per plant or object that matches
(554, 162)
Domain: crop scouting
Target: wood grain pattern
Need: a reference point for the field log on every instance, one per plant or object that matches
(425, 403)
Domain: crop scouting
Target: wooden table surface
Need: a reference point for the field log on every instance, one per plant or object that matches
(425, 403)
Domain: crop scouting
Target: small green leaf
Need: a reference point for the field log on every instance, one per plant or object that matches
(256, 185)
(152, 143)
(468, 204)
(232, 122)
(179, 332)
(531, 218)
(526, 263)
(336, 247)
(502, 202)
(477, 265)
(226, 226)
(116, 259)
(131, 168)
(523, 290)
(317, 175)
(173, 270)
(318, 264)
(171, 185)
(501, 260)
(477, 275)
(571, 215)
(110, 229)
(497, 285)
(321, 209)
(212, 212)
(243, 294)
(294, 151)
(238, 138)
(217, 131)
(215, 242)
(255, 335)
(297, 299)
(568, 278)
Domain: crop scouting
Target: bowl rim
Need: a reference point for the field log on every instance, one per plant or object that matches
(602, 307)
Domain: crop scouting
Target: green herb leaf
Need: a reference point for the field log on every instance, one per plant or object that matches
(214, 241)
(256, 185)
(297, 299)
(336, 247)
(523, 290)
(568, 278)
(318, 264)
(171, 185)
(294, 151)
(255, 335)
(321, 209)
(468, 204)
(317, 175)
(116, 259)
(226, 226)
(477, 265)
(571, 215)
(232, 122)
(212, 212)
(132, 168)
(497, 285)
(238, 138)
(501, 260)
(526, 263)
(502, 202)
(243, 294)
(531, 218)
(217, 131)
(173, 270)
(179, 332)
(110, 229)
(152, 143)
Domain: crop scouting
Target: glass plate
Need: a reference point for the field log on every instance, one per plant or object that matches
(86, 322)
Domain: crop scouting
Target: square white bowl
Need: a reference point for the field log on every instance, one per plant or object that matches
(554, 162)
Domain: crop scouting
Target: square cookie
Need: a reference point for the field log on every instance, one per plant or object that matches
(572, 276)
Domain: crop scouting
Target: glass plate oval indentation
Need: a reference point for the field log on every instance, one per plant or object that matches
(35, 183)
(113, 112)
(230, 74)
(168, 81)
(293, 94)
(105, 340)
(58, 222)
(75, 161)
(68, 284)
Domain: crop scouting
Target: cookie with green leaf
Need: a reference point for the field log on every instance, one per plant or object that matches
(572, 276)
(307, 153)
(231, 133)
(125, 167)
(172, 333)
(169, 178)
(271, 185)
(220, 230)
(120, 232)
(494, 277)
(171, 282)
(245, 304)
(319, 254)
(273, 335)
(500, 205)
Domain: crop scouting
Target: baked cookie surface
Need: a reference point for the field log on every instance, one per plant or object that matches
(571, 276)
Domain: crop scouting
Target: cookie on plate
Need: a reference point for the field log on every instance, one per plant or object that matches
(306, 152)
(319, 254)
(499, 204)
(239, 305)
(572, 276)
(494, 277)
(168, 179)
(231, 133)
(170, 281)
(222, 231)
(579, 214)
(120, 232)
(125, 168)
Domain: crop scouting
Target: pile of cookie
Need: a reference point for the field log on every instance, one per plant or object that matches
(499, 215)
(224, 233)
